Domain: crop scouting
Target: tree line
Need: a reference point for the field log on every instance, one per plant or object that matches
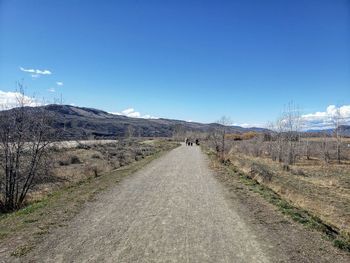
(284, 140)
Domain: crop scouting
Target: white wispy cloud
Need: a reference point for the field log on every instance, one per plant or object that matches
(35, 73)
(248, 125)
(51, 90)
(324, 119)
(10, 100)
(130, 112)
(59, 83)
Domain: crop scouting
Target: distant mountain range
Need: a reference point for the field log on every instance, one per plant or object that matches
(85, 123)
(344, 130)
(88, 123)
(328, 131)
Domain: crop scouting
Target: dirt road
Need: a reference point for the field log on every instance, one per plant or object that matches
(174, 210)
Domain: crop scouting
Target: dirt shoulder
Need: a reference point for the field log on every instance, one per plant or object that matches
(284, 239)
(21, 231)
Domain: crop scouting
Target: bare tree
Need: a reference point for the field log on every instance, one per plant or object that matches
(179, 132)
(270, 139)
(325, 148)
(214, 138)
(307, 148)
(280, 129)
(219, 135)
(25, 136)
(336, 120)
(291, 121)
(129, 131)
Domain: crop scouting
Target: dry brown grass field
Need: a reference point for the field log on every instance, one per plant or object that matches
(80, 160)
(319, 139)
(323, 188)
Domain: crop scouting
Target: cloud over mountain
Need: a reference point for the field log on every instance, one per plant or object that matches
(324, 119)
(10, 100)
(130, 112)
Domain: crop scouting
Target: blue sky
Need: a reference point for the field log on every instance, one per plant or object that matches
(191, 60)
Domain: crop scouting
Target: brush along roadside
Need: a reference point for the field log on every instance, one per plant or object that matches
(254, 182)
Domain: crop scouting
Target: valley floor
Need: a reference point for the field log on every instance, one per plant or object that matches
(177, 209)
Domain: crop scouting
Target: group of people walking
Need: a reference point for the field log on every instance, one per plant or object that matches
(189, 142)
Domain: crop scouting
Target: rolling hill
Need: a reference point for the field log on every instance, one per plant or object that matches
(86, 123)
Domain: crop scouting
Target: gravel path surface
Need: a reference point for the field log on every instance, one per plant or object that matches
(173, 210)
